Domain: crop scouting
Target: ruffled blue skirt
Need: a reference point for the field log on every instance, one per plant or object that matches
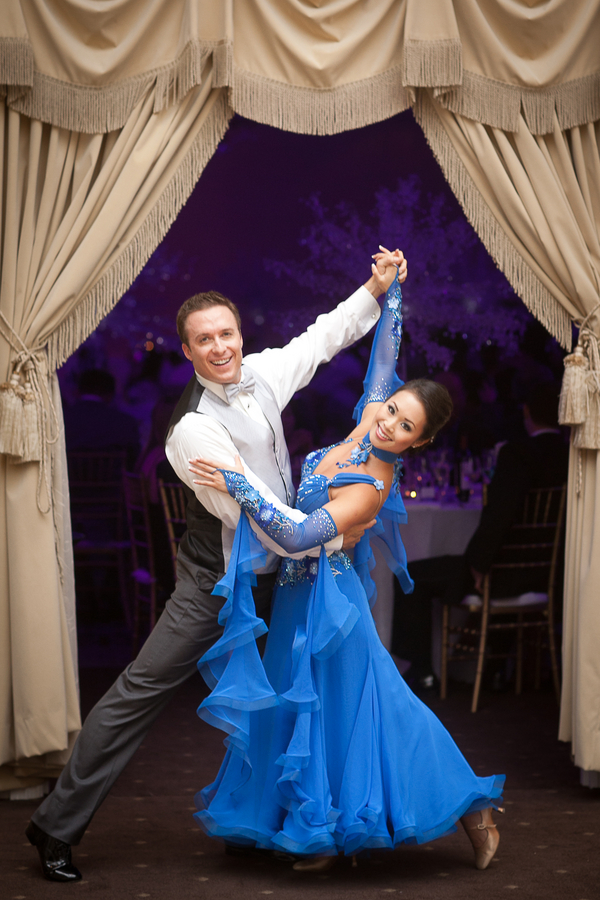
(328, 749)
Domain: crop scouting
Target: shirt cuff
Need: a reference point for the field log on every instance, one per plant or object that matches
(334, 544)
(364, 306)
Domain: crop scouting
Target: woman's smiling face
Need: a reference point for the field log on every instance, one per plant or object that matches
(398, 423)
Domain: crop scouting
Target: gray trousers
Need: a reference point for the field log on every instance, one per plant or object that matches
(118, 723)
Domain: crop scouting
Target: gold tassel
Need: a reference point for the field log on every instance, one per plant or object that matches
(32, 451)
(574, 396)
(587, 435)
(11, 416)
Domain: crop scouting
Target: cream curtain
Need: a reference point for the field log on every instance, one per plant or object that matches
(535, 202)
(85, 65)
(580, 704)
(134, 96)
(81, 214)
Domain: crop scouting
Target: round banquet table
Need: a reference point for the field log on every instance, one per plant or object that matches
(433, 529)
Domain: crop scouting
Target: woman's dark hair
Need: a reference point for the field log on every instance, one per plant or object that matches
(436, 401)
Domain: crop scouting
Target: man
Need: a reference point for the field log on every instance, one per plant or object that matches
(228, 407)
(538, 460)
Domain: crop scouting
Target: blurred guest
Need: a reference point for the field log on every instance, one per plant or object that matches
(538, 460)
(152, 462)
(141, 396)
(93, 423)
(453, 384)
(482, 425)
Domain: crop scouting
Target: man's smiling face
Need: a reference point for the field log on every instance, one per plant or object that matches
(214, 344)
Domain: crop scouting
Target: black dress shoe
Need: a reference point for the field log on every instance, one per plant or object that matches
(55, 855)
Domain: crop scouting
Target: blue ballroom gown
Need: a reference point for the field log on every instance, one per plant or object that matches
(328, 749)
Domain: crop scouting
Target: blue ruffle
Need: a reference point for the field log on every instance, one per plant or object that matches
(232, 667)
(386, 535)
(311, 818)
(389, 541)
(395, 775)
(328, 749)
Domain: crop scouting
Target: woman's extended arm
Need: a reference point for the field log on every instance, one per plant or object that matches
(356, 504)
(381, 379)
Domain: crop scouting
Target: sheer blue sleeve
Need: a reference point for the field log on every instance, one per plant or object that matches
(294, 537)
(381, 379)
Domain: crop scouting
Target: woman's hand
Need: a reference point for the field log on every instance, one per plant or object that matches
(209, 474)
(384, 269)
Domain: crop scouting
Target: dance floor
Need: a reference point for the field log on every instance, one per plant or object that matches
(144, 843)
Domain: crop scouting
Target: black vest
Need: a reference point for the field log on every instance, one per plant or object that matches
(263, 449)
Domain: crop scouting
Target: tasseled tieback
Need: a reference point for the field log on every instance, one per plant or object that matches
(25, 407)
(580, 393)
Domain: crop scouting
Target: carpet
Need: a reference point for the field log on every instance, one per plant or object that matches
(143, 842)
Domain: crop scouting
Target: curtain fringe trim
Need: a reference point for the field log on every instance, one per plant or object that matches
(16, 61)
(103, 297)
(311, 110)
(432, 63)
(537, 298)
(305, 110)
(499, 105)
(97, 110)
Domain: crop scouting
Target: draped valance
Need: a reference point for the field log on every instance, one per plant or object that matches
(312, 66)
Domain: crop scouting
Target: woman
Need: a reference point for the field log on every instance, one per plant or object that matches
(328, 749)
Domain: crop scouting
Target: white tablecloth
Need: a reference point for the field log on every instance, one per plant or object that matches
(433, 529)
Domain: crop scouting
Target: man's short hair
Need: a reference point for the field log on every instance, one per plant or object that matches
(204, 301)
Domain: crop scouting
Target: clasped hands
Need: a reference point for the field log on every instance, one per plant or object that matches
(383, 270)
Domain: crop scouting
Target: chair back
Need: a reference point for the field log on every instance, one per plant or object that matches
(95, 486)
(135, 492)
(534, 541)
(174, 502)
(531, 550)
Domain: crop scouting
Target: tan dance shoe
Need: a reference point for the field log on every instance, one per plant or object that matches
(315, 864)
(483, 834)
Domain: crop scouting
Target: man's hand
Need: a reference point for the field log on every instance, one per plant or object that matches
(353, 535)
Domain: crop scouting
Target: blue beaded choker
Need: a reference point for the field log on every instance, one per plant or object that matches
(363, 450)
